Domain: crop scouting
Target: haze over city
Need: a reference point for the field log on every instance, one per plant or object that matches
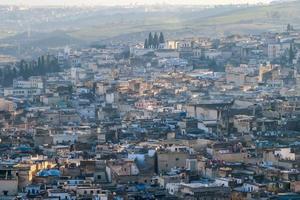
(128, 2)
(149, 100)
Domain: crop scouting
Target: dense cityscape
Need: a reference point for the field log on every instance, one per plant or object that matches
(162, 117)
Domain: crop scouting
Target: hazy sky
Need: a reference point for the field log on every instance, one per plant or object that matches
(125, 2)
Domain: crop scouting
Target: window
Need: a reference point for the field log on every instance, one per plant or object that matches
(5, 192)
(177, 159)
(99, 176)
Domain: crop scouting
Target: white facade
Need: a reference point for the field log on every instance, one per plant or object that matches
(277, 49)
(167, 54)
(33, 82)
(191, 164)
(60, 195)
(212, 54)
(111, 97)
(285, 154)
(65, 138)
(22, 92)
(87, 112)
(172, 44)
(172, 188)
(247, 187)
(139, 51)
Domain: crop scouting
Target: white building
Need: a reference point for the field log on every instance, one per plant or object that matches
(22, 92)
(172, 188)
(60, 194)
(66, 137)
(285, 154)
(32, 82)
(277, 49)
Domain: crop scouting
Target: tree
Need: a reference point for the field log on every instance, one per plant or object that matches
(22, 68)
(43, 60)
(150, 40)
(8, 76)
(161, 38)
(26, 73)
(291, 53)
(25, 69)
(14, 72)
(155, 41)
(146, 46)
(289, 28)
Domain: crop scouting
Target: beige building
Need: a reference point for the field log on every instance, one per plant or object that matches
(166, 160)
(8, 187)
(295, 186)
(243, 123)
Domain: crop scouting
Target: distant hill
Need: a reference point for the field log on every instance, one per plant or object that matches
(222, 20)
(262, 18)
(42, 39)
(79, 26)
(26, 45)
